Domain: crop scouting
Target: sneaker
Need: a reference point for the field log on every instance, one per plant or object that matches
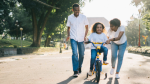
(105, 63)
(79, 70)
(117, 76)
(75, 74)
(112, 71)
(90, 73)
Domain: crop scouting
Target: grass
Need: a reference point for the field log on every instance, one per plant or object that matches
(4, 43)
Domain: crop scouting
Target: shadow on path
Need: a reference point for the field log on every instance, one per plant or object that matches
(92, 81)
(110, 81)
(67, 80)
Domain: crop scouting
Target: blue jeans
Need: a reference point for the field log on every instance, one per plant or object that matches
(121, 49)
(77, 63)
(94, 54)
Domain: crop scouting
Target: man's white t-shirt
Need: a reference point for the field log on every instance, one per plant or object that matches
(112, 34)
(77, 27)
(94, 37)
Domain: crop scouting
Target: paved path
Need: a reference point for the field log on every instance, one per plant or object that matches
(57, 69)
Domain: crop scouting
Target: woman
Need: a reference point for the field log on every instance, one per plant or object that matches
(118, 40)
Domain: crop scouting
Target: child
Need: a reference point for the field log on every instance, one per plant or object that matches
(97, 35)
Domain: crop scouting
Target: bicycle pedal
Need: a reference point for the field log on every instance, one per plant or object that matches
(105, 64)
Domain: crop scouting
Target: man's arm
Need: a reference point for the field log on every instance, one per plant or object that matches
(86, 32)
(68, 32)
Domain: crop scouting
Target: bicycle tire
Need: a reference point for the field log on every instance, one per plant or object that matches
(97, 71)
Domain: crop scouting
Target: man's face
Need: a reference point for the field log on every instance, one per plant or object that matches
(76, 11)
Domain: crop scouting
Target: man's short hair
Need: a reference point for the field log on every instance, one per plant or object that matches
(75, 5)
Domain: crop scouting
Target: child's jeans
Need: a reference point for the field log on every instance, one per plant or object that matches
(94, 54)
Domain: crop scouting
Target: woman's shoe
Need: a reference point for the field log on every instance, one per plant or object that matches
(112, 71)
(117, 76)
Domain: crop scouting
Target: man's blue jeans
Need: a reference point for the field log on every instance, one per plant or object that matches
(94, 54)
(77, 63)
(121, 49)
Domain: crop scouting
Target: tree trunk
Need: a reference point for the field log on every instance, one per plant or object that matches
(44, 23)
(47, 41)
(35, 31)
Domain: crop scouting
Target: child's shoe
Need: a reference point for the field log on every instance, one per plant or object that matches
(90, 73)
(105, 63)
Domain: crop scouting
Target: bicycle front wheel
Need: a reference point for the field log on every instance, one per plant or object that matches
(98, 71)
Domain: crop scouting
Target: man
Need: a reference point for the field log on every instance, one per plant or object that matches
(77, 23)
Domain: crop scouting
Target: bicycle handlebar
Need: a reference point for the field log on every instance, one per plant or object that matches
(96, 43)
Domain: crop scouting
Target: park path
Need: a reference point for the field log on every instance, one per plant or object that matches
(57, 69)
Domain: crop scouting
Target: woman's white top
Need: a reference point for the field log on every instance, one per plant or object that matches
(112, 34)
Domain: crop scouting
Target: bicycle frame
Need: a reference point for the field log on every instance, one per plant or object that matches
(98, 54)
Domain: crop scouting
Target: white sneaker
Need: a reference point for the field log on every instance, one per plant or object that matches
(90, 73)
(117, 76)
(112, 71)
(75, 75)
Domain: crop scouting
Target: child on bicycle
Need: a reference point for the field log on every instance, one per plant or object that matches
(97, 35)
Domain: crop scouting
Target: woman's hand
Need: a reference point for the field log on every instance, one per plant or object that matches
(108, 41)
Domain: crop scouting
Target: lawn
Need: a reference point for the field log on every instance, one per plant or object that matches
(10, 43)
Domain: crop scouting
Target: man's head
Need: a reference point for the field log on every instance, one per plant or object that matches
(76, 9)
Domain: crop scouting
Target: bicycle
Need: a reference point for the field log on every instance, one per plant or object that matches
(98, 63)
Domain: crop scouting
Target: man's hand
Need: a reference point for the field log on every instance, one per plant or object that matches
(67, 38)
(108, 41)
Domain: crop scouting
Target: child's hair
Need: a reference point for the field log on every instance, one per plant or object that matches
(75, 5)
(93, 29)
(115, 22)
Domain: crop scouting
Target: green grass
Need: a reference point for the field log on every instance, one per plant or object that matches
(10, 43)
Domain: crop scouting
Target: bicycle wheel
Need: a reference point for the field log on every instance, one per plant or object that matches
(98, 71)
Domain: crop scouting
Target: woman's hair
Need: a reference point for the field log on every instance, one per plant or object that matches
(115, 22)
(93, 28)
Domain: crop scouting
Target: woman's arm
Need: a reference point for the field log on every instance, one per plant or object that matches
(117, 38)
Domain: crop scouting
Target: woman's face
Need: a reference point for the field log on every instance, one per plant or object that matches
(113, 28)
(99, 29)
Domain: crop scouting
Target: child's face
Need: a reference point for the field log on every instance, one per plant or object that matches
(99, 29)
(76, 11)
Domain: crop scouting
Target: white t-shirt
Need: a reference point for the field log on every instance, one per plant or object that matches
(112, 34)
(94, 37)
(77, 27)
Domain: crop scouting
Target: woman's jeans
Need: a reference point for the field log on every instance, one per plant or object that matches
(77, 63)
(94, 54)
(121, 49)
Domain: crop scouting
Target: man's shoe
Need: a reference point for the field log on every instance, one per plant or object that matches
(75, 74)
(79, 70)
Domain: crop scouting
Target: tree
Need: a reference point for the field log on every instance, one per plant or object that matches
(132, 31)
(5, 6)
(40, 14)
(145, 12)
(19, 13)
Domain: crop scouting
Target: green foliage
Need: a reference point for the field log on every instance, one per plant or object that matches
(14, 43)
(5, 6)
(132, 32)
(145, 11)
